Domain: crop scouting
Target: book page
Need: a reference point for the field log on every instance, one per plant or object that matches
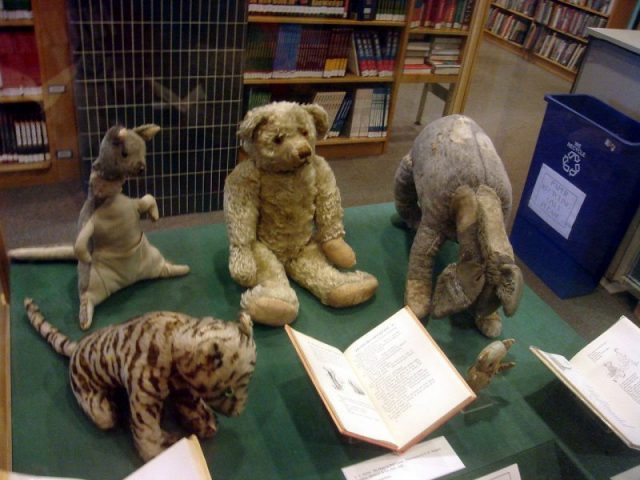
(616, 412)
(407, 376)
(611, 365)
(184, 460)
(340, 388)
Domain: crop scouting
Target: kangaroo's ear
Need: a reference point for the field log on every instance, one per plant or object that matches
(253, 120)
(116, 135)
(320, 119)
(147, 131)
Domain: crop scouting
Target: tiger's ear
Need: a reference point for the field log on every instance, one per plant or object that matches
(245, 325)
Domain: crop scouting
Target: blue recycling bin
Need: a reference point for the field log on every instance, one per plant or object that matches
(581, 193)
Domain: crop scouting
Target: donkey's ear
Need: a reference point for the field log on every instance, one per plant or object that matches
(147, 131)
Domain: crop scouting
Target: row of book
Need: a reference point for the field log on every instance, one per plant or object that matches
(442, 14)
(15, 10)
(602, 6)
(19, 64)
(388, 10)
(507, 26)
(526, 7)
(555, 47)
(296, 51)
(362, 112)
(567, 19)
(23, 135)
(439, 55)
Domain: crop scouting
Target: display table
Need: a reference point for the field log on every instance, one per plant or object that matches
(285, 431)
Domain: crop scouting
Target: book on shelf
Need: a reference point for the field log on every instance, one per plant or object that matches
(359, 120)
(605, 376)
(19, 63)
(297, 51)
(418, 12)
(257, 98)
(334, 8)
(391, 387)
(23, 134)
(390, 10)
(337, 52)
(424, 68)
(441, 14)
(331, 102)
(15, 10)
(562, 50)
(341, 117)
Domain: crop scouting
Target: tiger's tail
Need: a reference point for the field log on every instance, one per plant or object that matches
(60, 342)
(46, 253)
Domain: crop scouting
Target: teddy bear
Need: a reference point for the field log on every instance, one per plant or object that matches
(284, 217)
(453, 185)
(111, 248)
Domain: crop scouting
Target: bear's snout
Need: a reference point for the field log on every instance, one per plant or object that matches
(304, 152)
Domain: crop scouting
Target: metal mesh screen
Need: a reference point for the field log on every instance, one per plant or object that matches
(174, 63)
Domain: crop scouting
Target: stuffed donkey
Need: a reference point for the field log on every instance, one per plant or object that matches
(452, 184)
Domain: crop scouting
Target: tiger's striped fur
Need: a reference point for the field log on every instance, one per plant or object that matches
(204, 364)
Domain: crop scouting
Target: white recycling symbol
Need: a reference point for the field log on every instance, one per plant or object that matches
(571, 163)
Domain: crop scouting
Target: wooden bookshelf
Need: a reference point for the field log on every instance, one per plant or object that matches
(363, 146)
(617, 17)
(51, 31)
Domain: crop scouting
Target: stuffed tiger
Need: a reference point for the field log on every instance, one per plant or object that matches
(204, 364)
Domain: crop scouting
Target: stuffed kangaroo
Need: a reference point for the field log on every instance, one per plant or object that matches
(111, 249)
(452, 184)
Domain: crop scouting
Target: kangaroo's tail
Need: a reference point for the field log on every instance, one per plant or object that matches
(48, 253)
(60, 342)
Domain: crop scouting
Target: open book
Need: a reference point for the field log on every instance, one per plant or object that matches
(183, 460)
(391, 387)
(605, 375)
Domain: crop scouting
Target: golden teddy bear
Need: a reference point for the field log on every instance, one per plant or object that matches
(284, 217)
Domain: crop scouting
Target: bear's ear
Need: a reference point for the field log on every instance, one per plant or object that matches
(147, 131)
(254, 118)
(320, 119)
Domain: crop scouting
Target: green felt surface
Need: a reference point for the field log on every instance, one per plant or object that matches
(285, 431)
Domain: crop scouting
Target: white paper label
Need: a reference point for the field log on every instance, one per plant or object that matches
(556, 200)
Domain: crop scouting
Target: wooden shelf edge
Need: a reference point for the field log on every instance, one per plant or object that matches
(428, 78)
(584, 9)
(512, 11)
(439, 31)
(5, 386)
(553, 67)
(317, 80)
(24, 22)
(24, 167)
(21, 98)
(323, 21)
(350, 140)
(503, 42)
(561, 32)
